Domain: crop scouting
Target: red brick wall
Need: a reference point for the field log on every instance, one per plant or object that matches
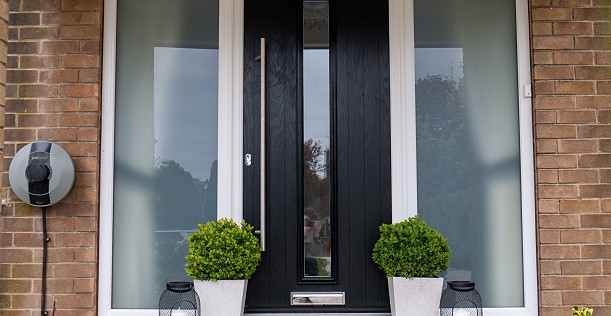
(572, 85)
(53, 93)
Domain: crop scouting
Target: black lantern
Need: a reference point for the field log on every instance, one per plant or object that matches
(179, 299)
(460, 298)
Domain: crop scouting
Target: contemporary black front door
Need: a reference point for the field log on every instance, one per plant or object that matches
(337, 184)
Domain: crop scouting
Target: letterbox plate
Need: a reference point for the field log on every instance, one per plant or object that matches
(318, 298)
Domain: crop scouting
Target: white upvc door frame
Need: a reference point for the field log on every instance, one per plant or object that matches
(403, 142)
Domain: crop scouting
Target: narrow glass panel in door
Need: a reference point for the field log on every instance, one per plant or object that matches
(316, 140)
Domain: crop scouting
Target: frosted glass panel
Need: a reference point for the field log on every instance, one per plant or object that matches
(165, 180)
(467, 141)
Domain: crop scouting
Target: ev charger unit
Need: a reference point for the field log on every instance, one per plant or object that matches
(41, 173)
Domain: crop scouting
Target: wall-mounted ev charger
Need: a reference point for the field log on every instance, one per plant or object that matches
(42, 174)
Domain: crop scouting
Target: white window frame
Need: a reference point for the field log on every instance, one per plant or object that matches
(229, 199)
(403, 131)
(403, 140)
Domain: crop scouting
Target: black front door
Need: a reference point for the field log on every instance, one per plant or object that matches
(327, 152)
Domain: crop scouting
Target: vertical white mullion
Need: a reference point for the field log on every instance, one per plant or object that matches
(402, 109)
(106, 158)
(529, 251)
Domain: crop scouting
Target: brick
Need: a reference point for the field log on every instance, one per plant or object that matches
(578, 176)
(85, 134)
(559, 251)
(79, 90)
(59, 76)
(594, 131)
(556, 161)
(597, 282)
(16, 255)
(551, 298)
(87, 255)
(558, 221)
(549, 267)
(593, 72)
(605, 175)
(79, 32)
(580, 236)
(89, 104)
(603, 58)
(541, 28)
(592, 43)
(40, 32)
(73, 270)
(15, 286)
(576, 117)
(56, 286)
(92, 47)
(40, 5)
(554, 72)
(545, 87)
(583, 297)
(595, 190)
(547, 176)
(58, 255)
(593, 102)
(575, 87)
(573, 58)
(36, 120)
(555, 102)
(581, 267)
(84, 286)
(61, 224)
(557, 191)
(24, 19)
(540, 3)
(573, 28)
(592, 14)
(61, 18)
(28, 270)
(595, 161)
(560, 42)
(39, 61)
(57, 105)
(58, 134)
(603, 87)
(577, 146)
(549, 237)
(27, 240)
(556, 131)
(602, 28)
(76, 301)
(551, 14)
(22, 76)
(548, 206)
(579, 206)
(79, 119)
(79, 61)
(546, 146)
(542, 117)
(22, 47)
(552, 282)
(604, 116)
(596, 221)
(60, 47)
(81, 5)
(33, 91)
(604, 145)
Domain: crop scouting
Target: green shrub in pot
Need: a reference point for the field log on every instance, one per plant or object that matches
(411, 249)
(222, 250)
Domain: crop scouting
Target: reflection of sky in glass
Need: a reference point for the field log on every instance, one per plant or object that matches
(186, 107)
(447, 62)
(316, 95)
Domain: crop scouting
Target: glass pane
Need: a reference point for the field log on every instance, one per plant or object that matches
(165, 141)
(316, 139)
(467, 140)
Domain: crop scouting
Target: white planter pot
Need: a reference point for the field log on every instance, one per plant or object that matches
(222, 297)
(416, 296)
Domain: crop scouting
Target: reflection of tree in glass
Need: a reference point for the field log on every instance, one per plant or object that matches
(443, 162)
(181, 202)
(316, 181)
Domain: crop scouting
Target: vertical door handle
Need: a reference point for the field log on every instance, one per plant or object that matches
(261, 58)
